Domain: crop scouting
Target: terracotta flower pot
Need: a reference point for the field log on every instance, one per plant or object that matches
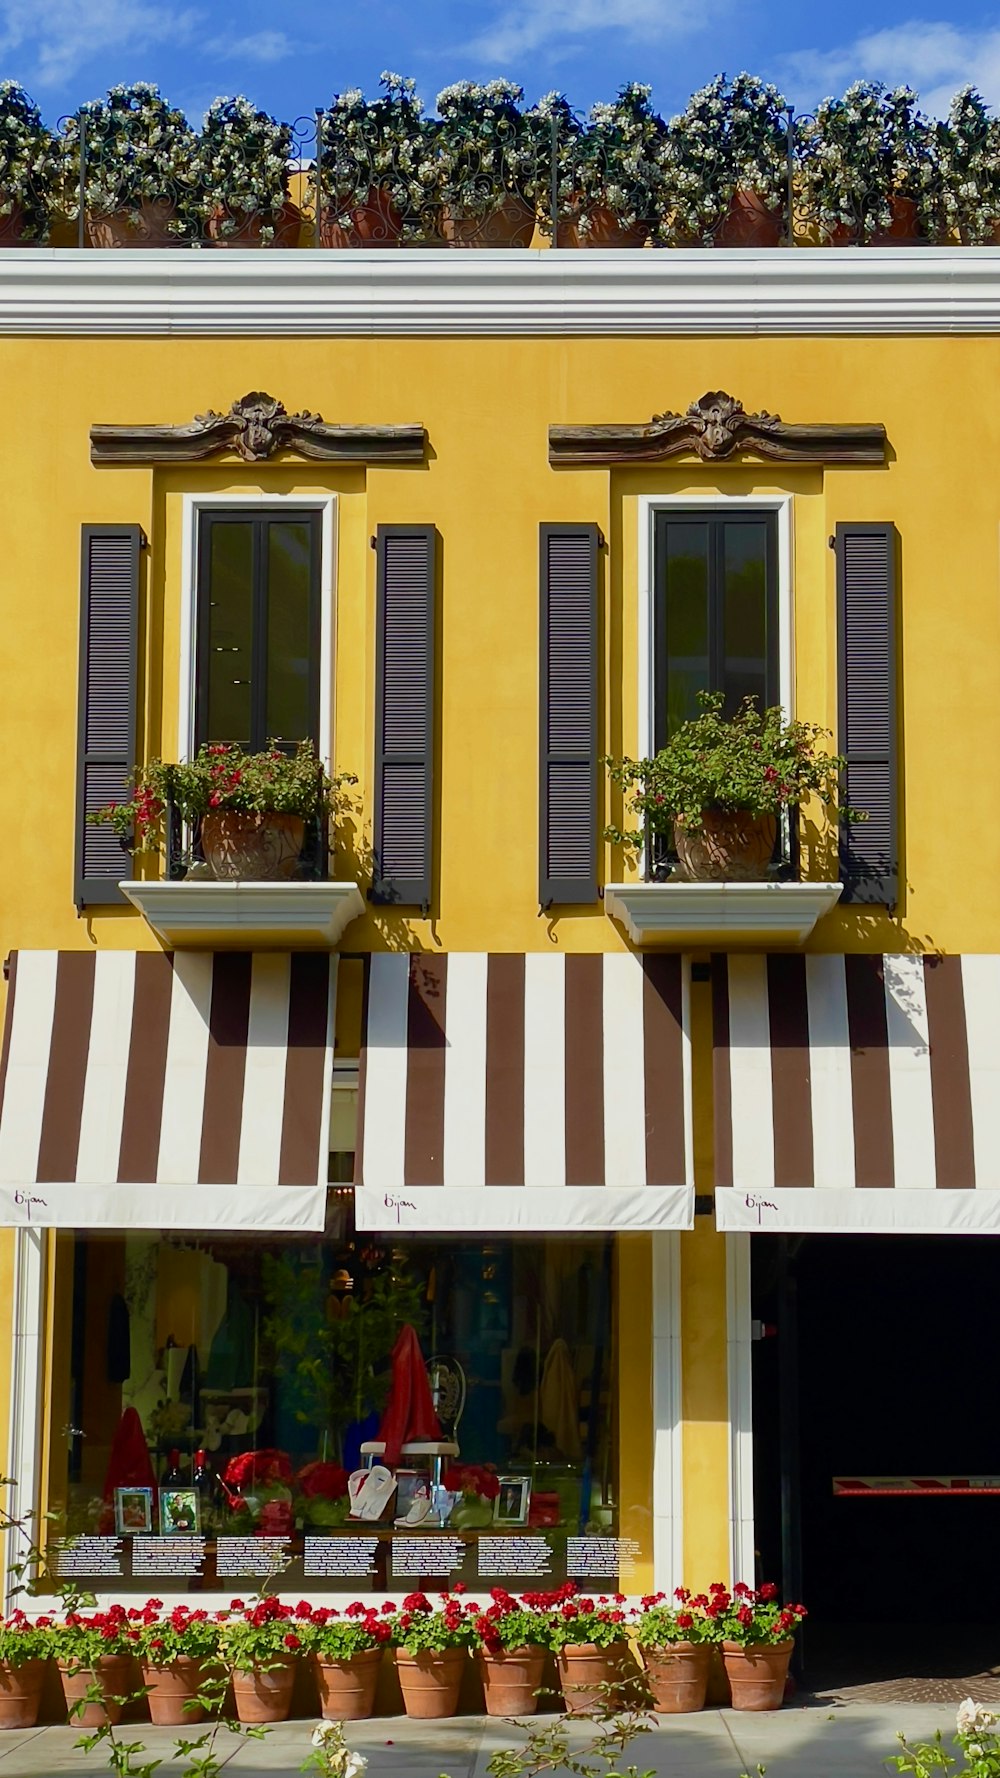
(430, 1681)
(21, 1694)
(374, 223)
(678, 1676)
(244, 228)
(263, 848)
(511, 224)
(265, 1694)
(585, 1674)
(347, 1688)
(749, 223)
(12, 229)
(115, 1674)
(511, 1680)
(145, 224)
(172, 1687)
(757, 1674)
(728, 847)
(605, 230)
(903, 230)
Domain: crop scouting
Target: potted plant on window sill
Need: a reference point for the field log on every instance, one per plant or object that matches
(719, 785)
(250, 809)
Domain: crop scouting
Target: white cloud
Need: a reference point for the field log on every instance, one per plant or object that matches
(546, 24)
(53, 39)
(935, 57)
(260, 46)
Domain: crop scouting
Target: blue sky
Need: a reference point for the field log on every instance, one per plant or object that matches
(291, 58)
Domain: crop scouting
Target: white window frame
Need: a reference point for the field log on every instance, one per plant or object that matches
(193, 505)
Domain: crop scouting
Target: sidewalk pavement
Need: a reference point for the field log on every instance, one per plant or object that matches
(813, 1740)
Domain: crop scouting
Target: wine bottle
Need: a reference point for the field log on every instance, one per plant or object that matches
(204, 1479)
(174, 1475)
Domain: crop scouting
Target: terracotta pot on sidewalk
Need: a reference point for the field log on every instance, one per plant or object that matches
(172, 1687)
(511, 1680)
(265, 1693)
(430, 1681)
(21, 1694)
(347, 1687)
(586, 1673)
(678, 1676)
(116, 1676)
(757, 1673)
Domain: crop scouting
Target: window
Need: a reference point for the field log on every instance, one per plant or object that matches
(258, 668)
(715, 616)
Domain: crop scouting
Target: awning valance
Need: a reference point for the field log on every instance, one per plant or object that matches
(540, 1091)
(187, 1090)
(857, 1093)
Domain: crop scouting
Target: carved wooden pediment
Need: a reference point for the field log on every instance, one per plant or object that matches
(715, 428)
(256, 426)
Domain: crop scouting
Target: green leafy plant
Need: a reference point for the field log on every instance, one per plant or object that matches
(336, 1636)
(575, 1618)
(420, 1627)
(968, 156)
(731, 135)
(263, 1634)
(615, 165)
(978, 1741)
(551, 1745)
(486, 148)
(685, 1618)
(27, 163)
(138, 150)
(378, 146)
(25, 1639)
(508, 1623)
(331, 1754)
(751, 1618)
(860, 152)
(161, 1640)
(755, 761)
(241, 167)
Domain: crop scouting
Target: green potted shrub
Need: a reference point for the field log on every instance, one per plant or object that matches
(241, 169)
(179, 1658)
(249, 809)
(140, 181)
(25, 1647)
(27, 169)
(719, 785)
(376, 176)
(757, 1634)
(431, 1645)
(590, 1641)
(487, 165)
(260, 1645)
(968, 155)
(95, 1655)
(611, 181)
(726, 166)
(866, 167)
(512, 1640)
(346, 1652)
(676, 1638)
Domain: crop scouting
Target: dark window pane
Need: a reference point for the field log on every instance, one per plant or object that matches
(289, 714)
(683, 667)
(744, 614)
(229, 633)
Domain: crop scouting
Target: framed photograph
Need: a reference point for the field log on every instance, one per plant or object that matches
(179, 1512)
(512, 1501)
(133, 1511)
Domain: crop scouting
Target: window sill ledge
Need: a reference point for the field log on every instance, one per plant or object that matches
(247, 916)
(723, 915)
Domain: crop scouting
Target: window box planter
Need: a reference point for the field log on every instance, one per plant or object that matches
(247, 916)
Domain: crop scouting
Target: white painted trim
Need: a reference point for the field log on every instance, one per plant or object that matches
(192, 506)
(674, 914)
(649, 506)
(668, 1475)
(739, 1353)
(814, 291)
(247, 916)
(27, 1409)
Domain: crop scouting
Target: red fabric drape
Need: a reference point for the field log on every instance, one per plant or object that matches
(409, 1416)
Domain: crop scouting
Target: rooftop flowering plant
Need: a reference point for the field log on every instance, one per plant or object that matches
(485, 147)
(27, 161)
(732, 135)
(223, 776)
(418, 1625)
(755, 760)
(859, 152)
(25, 1639)
(184, 1631)
(261, 1635)
(684, 1618)
(615, 165)
(508, 1623)
(137, 148)
(750, 1618)
(241, 166)
(82, 1638)
(573, 1617)
(378, 145)
(333, 1635)
(968, 156)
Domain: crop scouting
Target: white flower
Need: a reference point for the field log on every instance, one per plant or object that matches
(971, 1716)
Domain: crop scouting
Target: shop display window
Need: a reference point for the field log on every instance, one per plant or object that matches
(220, 1404)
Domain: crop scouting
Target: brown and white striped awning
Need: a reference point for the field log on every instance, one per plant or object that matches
(857, 1093)
(166, 1091)
(504, 1092)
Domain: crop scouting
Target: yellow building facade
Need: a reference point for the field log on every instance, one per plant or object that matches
(679, 1435)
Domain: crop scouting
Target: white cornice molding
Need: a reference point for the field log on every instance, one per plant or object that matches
(934, 290)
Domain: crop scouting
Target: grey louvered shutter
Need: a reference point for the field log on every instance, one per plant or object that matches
(866, 649)
(568, 789)
(109, 667)
(404, 715)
